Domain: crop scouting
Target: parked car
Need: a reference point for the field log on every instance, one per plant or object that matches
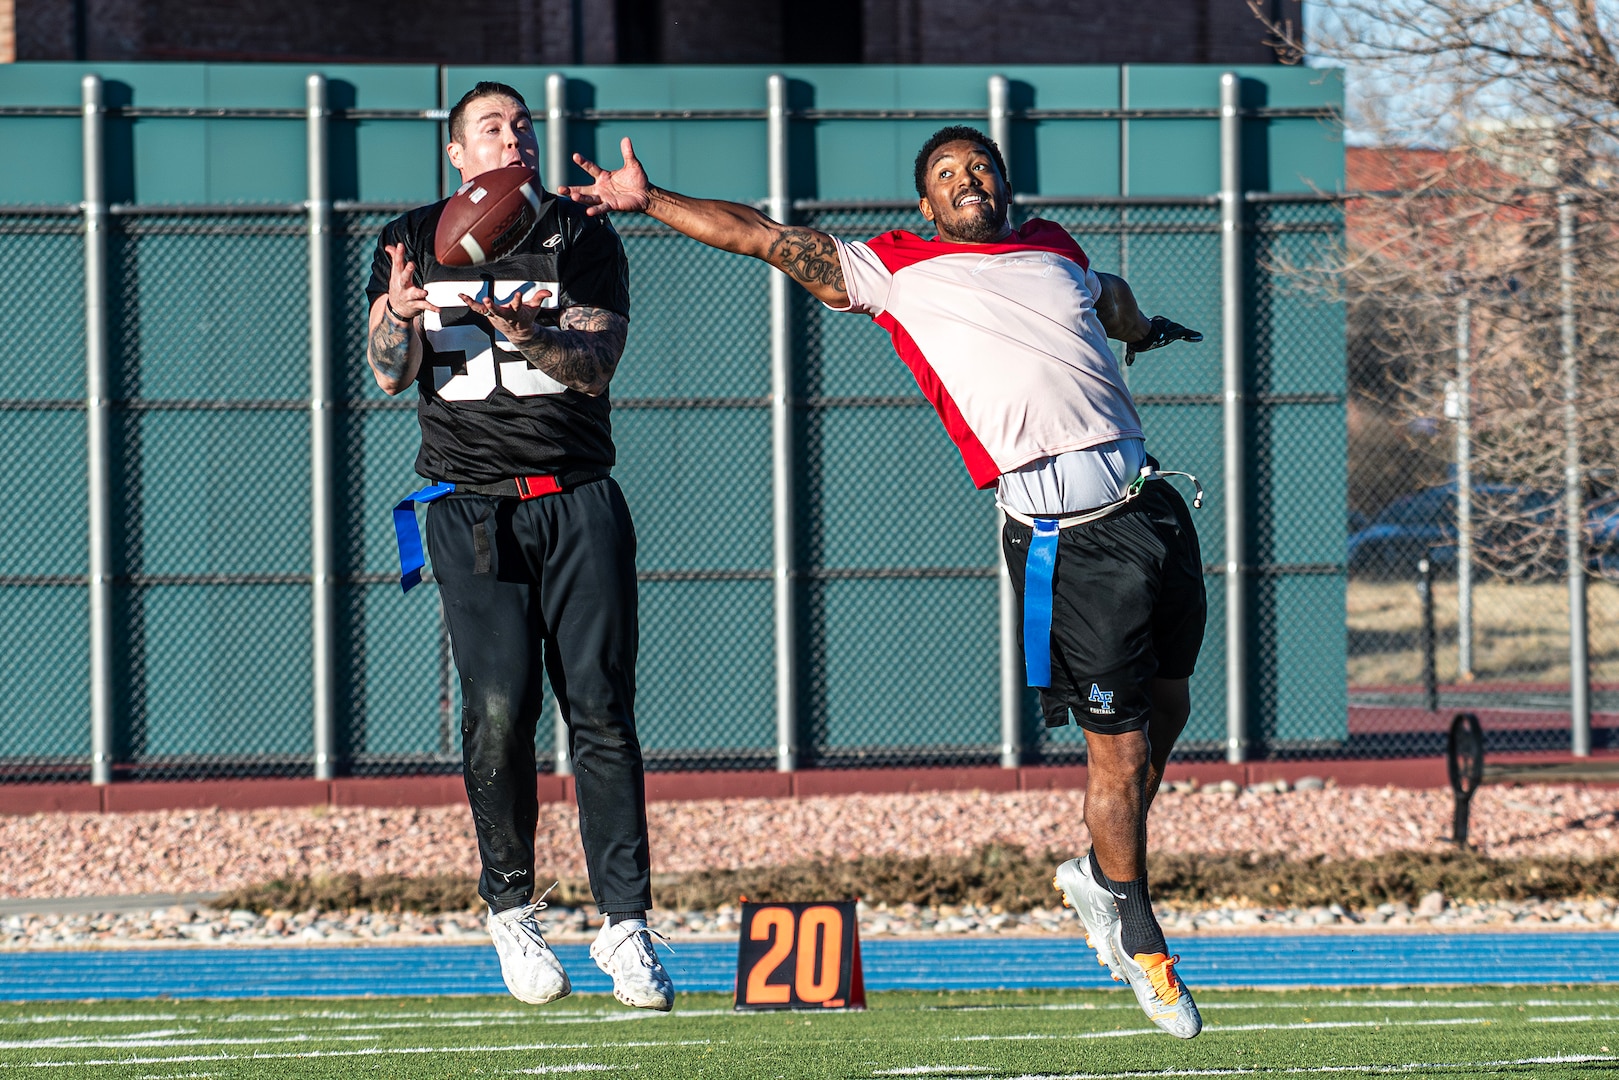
(1423, 524)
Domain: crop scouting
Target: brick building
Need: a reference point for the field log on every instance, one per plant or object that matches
(564, 32)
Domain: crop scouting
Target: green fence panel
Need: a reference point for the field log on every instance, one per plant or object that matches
(897, 576)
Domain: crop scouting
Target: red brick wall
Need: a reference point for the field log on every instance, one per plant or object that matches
(1063, 32)
(691, 31)
(406, 31)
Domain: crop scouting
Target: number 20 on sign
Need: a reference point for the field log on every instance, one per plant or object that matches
(799, 956)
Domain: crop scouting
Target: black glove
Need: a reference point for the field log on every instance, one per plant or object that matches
(1163, 332)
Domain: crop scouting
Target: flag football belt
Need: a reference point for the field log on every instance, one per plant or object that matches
(1041, 569)
(408, 535)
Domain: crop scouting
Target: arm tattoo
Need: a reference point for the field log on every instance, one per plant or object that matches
(389, 350)
(582, 352)
(809, 258)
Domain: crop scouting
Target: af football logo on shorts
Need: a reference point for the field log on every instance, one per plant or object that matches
(1102, 701)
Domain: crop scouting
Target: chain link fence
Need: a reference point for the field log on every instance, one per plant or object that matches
(44, 609)
(1487, 628)
(691, 418)
(1296, 484)
(403, 701)
(897, 560)
(211, 445)
(899, 555)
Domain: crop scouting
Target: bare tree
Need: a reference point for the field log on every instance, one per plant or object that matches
(1511, 109)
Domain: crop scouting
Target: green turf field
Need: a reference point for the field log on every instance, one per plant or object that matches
(1540, 1033)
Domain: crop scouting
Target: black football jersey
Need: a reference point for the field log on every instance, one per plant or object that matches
(486, 413)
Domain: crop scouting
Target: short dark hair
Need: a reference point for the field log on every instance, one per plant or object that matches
(458, 114)
(954, 133)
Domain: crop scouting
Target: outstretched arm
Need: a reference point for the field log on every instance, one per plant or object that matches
(805, 255)
(1123, 320)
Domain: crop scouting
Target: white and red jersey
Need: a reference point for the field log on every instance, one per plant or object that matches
(1003, 339)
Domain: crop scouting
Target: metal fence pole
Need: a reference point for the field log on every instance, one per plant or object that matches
(1000, 129)
(556, 130)
(556, 170)
(781, 448)
(1464, 492)
(1579, 667)
(323, 503)
(1232, 362)
(1012, 676)
(98, 393)
(1000, 117)
(1430, 669)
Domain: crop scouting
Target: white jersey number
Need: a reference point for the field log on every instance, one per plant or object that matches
(482, 372)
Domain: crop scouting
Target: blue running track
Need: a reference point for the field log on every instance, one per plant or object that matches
(1268, 961)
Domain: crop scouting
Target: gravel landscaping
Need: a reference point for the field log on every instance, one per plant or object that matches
(211, 851)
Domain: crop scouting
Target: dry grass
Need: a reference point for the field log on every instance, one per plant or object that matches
(1520, 632)
(1015, 880)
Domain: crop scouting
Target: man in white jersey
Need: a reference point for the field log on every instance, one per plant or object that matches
(1006, 332)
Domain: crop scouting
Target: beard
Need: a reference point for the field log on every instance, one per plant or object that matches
(980, 224)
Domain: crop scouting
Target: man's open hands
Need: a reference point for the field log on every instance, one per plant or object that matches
(514, 319)
(1163, 332)
(405, 298)
(625, 189)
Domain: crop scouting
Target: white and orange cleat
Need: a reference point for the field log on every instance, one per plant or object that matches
(1096, 909)
(1161, 994)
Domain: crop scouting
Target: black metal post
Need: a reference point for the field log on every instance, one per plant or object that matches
(1464, 760)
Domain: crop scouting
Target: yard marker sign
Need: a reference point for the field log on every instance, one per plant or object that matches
(799, 956)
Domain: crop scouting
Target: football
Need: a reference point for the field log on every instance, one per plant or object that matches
(487, 216)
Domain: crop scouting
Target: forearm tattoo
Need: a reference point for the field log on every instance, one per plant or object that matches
(388, 352)
(809, 258)
(582, 352)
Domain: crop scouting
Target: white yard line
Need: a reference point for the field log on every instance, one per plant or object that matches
(1216, 1006)
(577, 1067)
(1223, 1028)
(119, 1038)
(88, 1018)
(379, 1051)
(682, 1042)
(470, 1014)
(157, 1039)
(1415, 1066)
(436, 1022)
(928, 1070)
(1309, 1025)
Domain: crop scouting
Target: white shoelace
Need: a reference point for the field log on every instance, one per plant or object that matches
(646, 948)
(527, 912)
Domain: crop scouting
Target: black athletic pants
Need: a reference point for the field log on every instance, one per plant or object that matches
(552, 579)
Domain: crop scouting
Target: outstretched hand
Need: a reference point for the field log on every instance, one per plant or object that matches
(626, 189)
(406, 298)
(516, 318)
(1163, 332)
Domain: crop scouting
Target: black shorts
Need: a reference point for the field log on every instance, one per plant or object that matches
(1127, 607)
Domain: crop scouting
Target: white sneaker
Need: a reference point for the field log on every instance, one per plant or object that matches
(638, 978)
(1160, 992)
(1096, 909)
(531, 970)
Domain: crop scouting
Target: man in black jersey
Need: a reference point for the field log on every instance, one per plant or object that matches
(530, 539)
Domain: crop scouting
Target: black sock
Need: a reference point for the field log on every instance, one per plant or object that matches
(1140, 932)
